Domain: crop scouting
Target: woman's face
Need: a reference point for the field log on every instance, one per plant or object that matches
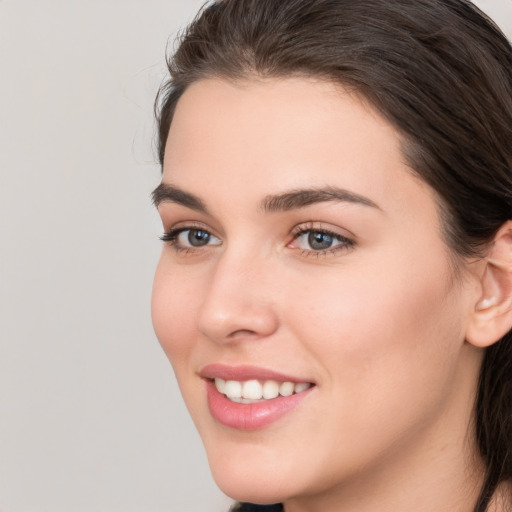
(303, 257)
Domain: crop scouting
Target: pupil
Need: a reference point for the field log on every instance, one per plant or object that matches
(196, 237)
(319, 241)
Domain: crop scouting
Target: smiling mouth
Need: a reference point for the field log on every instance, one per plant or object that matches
(256, 391)
(246, 397)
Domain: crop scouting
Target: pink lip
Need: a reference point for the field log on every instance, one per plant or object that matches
(245, 372)
(248, 416)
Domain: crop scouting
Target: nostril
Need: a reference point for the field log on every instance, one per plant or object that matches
(242, 333)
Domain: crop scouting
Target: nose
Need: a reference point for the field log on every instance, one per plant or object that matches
(239, 303)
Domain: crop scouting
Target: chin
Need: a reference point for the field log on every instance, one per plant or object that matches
(252, 478)
(256, 490)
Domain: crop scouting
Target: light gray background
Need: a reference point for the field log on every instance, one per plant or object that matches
(90, 416)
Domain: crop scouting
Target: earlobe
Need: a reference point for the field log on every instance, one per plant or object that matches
(492, 315)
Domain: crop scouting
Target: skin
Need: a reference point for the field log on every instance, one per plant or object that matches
(379, 324)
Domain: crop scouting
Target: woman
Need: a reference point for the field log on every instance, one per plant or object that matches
(335, 287)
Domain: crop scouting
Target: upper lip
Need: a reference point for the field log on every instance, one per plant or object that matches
(245, 372)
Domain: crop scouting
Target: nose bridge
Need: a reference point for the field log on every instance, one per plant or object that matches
(239, 300)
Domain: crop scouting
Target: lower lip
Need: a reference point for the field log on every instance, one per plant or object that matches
(250, 416)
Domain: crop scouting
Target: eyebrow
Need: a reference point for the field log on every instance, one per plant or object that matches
(165, 193)
(292, 200)
(301, 198)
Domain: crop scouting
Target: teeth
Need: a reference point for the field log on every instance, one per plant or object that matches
(270, 389)
(301, 386)
(286, 388)
(254, 390)
(233, 389)
(220, 384)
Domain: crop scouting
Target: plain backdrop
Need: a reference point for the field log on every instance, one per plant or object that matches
(91, 419)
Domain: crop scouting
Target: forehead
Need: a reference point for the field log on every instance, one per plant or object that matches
(262, 136)
(285, 109)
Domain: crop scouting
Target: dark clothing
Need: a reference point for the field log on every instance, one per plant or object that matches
(247, 507)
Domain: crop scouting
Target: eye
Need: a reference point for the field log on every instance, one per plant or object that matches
(318, 241)
(194, 237)
(190, 238)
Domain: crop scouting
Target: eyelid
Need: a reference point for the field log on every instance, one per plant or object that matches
(347, 241)
(189, 224)
(344, 241)
(171, 235)
(324, 228)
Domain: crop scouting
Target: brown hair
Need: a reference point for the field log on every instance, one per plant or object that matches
(440, 71)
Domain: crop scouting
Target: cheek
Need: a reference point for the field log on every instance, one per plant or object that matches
(173, 307)
(383, 338)
(386, 348)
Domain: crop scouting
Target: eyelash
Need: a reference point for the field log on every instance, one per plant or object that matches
(171, 237)
(344, 245)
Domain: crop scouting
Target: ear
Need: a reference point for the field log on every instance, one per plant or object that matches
(492, 315)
